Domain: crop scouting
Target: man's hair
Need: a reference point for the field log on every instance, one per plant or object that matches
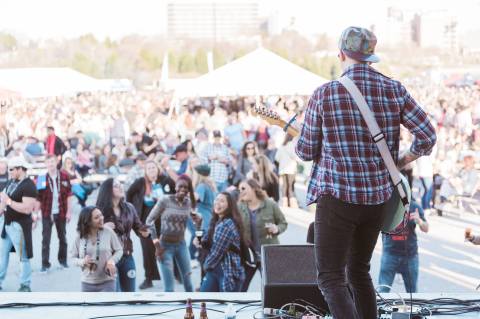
(50, 128)
(50, 156)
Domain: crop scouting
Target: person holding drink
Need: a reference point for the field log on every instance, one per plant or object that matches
(96, 250)
(262, 219)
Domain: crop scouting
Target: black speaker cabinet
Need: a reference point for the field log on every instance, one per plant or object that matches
(288, 273)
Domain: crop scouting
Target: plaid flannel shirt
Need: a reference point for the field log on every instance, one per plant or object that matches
(45, 196)
(347, 163)
(225, 235)
(218, 170)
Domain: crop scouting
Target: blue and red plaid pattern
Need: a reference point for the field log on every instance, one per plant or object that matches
(225, 235)
(347, 163)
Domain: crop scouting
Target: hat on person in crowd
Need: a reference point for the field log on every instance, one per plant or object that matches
(141, 157)
(180, 148)
(217, 133)
(359, 44)
(468, 153)
(201, 131)
(203, 169)
(18, 161)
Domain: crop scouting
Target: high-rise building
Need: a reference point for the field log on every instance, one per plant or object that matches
(436, 29)
(214, 20)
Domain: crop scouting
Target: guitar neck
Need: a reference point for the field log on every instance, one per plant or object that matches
(292, 131)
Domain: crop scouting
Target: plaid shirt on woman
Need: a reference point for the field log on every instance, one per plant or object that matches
(347, 163)
(225, 235)
(45, 196)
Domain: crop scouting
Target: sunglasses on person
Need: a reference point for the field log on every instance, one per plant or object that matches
(250, 148)
(14, 168)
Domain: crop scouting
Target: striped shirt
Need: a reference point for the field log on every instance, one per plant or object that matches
(347, 163)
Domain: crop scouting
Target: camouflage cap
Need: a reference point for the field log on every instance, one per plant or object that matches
(359, 44)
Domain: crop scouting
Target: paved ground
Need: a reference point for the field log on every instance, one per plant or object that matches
(447, 263)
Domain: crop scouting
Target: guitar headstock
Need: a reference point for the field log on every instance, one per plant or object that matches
(271, 117)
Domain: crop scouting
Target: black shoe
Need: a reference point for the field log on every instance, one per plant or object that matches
(63, 265)
(44, 269)
(24, 288)
(147, 283)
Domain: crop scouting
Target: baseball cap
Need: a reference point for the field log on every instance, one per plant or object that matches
(359, 44)
(217, 133)
(141, 157)
(18, 161)
(180, 148)
(203, 169)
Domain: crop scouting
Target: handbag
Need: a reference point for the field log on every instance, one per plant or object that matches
(79, 191)
(397, 206)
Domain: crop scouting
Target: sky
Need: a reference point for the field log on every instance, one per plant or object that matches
(116, 18)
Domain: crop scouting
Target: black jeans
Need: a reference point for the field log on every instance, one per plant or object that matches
(249, 274)
(60, 225)
(149, 260)
(345, 236)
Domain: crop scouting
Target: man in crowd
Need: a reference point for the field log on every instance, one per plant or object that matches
(56, 200)
(17, 202)
(137, 171)
(54, 145)
(216, 154)
(465, 183)
(145, 143)
(180, 155)
(400, 252)
(234, 133)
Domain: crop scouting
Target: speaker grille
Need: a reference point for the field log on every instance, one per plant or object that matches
(289, 264)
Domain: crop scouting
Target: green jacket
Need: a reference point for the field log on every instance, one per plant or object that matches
(269, 212)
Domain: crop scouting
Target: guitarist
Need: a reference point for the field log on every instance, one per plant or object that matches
(349, 181)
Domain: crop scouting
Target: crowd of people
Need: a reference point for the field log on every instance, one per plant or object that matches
(210, 168)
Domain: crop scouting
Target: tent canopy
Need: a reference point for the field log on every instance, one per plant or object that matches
(260, 72)
(44, 82)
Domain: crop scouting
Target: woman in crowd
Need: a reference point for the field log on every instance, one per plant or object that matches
(102, 159)
(84, 160)
(96, 250)
(245, 161)
(79, 189)
(263, 172)
(144, 194)
(121, 216)
(262, 219)
(112, 165)
(223, 241)
(190, 148)
(174, 211)
(205, 190)
(287, 169)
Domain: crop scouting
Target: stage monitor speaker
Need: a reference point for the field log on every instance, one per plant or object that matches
(289, 273)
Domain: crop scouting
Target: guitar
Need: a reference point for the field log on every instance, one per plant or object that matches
(272, 118)
(397, 213)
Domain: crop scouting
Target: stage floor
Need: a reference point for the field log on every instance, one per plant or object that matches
(97, 305)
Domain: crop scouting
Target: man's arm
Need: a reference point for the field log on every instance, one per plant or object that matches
(26, 206)
(69, 208)
(416, 121)
(310, 141)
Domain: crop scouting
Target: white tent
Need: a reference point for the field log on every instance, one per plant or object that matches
(260, 72)
(44, 82)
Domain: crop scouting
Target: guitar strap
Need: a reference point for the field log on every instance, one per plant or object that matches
(377, 135)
